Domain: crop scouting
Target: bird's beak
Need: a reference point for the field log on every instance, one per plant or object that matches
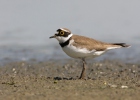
(53, 36)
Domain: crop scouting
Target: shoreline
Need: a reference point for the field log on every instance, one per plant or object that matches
(55, 78)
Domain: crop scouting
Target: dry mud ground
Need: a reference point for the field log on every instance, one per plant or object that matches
(56, 80)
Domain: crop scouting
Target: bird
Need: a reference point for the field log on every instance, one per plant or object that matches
(82, 47)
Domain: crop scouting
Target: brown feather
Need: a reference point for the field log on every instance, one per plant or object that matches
(90, 44)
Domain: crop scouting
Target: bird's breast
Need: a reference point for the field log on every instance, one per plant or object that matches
(76, 52)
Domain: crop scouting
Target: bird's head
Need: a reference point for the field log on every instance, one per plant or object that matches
(62, 35)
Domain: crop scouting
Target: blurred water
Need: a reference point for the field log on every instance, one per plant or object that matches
(25, 26)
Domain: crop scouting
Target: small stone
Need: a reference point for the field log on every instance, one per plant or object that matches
(55, 82)
(113, 86)
(105, 82)
(14, 69)
(124, 87)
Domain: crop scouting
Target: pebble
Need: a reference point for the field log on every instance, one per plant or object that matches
(124, 87)
(112, 85)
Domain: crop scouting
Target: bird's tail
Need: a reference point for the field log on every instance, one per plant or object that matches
(117, 45)
(121, 44)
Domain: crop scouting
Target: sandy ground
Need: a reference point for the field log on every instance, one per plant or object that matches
(58, 80)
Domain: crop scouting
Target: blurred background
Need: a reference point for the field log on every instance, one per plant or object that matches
(26, 25)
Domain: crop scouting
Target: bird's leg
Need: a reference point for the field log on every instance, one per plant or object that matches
(83, 73)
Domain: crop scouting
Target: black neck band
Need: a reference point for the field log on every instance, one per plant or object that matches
(65, 43)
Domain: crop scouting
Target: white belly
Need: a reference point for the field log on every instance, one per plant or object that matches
(74, 52)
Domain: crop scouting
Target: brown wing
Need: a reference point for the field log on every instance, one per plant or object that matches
(89, 43)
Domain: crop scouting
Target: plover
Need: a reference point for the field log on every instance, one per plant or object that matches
(82, 47)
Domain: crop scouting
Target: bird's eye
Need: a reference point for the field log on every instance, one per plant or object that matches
(61, 32)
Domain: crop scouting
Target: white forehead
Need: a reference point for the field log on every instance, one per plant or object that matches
(66, 30)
